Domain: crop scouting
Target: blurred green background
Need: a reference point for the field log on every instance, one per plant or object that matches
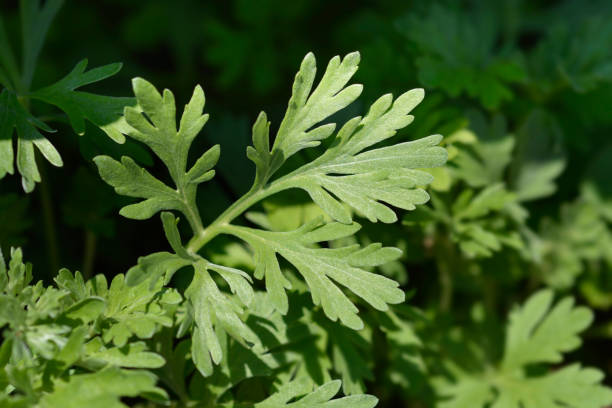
(542, 69)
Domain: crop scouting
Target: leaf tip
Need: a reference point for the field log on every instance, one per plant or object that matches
(309, 60)
(353, 58)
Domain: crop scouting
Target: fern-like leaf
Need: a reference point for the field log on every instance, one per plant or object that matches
(14, 116)
(536, 334)
(158, 131)
(323, 267)
(103, 111)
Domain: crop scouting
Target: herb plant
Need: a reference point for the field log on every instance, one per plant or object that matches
(286, 296)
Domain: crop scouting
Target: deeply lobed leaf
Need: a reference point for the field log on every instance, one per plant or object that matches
(14, 116)
(103, 111)
(536, 334)
(322, 268)
(154, 124)
(369, 181)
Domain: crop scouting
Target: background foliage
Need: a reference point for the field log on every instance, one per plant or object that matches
(521, 92)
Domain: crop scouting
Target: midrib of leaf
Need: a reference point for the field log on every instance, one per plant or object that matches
(250, 198)
(205, 235)
(127, 309)
(178, 174)
(288, 248)
(191, 208)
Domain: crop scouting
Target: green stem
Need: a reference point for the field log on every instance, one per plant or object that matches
(48, 220)
(250, 198)
(193, 217)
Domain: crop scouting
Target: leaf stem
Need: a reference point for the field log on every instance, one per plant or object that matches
(250, 198)
(191, 208)
(193, 217)
(48, 220)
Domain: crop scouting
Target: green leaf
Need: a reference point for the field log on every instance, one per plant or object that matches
(104, 389)
(483, 162)
(13, 115)
(75, 284)
(481, 223)
(318, 398)
(367, 180)
(322, 267)
(561, 58)
(350, 351)
(19, 274)
(571, 386)
(153, 267)
(540, 159)
(460, 53)
(132, 355)
(132, 311)
(285, 341)
(73, 349)
(307, 108)
(492, 198)
(201, 170)
(158, 131)
(8, 63)
(407, 366)
(10, 311)
(213, 311)
(259, 153)
(35, 22)
(581, 236)
(129, 179)
(536, 334)
(173, 236)
(103, 111)
(87, 310)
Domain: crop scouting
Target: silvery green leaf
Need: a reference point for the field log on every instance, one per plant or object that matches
(323, 268)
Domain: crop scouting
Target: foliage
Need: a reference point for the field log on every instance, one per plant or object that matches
(536, 334)
(55, 338)
(283, 279)
(102, 111)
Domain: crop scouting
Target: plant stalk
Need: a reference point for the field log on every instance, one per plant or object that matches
(48, 219)
(250, 198)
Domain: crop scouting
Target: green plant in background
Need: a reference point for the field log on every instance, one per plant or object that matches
(279, 292)
(536, 334)
(460, 53)
(102, 111)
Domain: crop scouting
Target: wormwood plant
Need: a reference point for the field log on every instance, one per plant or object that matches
(275, 304)
(363, 180)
